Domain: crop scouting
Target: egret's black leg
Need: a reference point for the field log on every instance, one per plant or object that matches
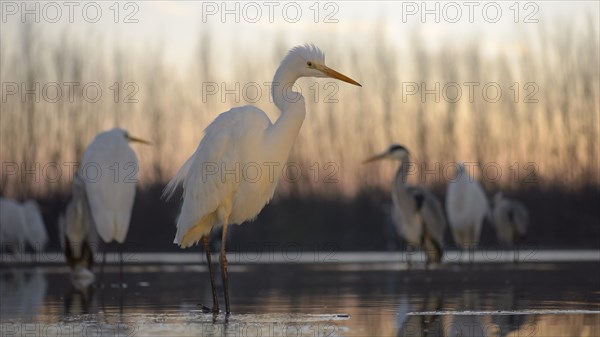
(206, 241)
(224, 268)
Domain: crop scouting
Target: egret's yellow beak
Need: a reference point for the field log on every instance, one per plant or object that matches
(138, 140)
(375, 158)
(334, 74)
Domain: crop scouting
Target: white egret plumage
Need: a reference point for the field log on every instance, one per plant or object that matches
(109, 171)
(467, 207)
(235, 138)
(13, 231)
(416, 212)
(37, 236)
(22, 224)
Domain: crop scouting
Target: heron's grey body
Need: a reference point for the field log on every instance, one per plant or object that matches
(78, 236)
(418, 216)
(510, 219)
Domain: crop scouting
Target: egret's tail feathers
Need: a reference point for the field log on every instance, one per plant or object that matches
(190, 236)
(169, 190)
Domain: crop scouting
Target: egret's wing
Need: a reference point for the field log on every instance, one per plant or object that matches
(12, 222)
(109, 170)
(466, 202)
(478, 198)
(36, 229)
(480, 206)
(458, 203)
(228, 141)
(178, 179)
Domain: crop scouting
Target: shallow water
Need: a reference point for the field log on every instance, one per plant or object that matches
(326, 299)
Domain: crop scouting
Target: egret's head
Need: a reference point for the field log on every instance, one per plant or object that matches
(309, 61)
(394, 152)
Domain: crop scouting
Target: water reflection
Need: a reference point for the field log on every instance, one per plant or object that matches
(22, 293)
(498, 312)
(510, 301)
(468, 325)
(312, 300)
(421, 319)
(421, 325)
(80, 298)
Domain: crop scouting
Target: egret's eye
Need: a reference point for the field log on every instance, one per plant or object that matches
(309, 64)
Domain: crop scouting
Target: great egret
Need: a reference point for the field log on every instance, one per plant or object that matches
(510, 220)
(12, 225)
(78, 236)
(22, 224)
(215, 193)
(417, 214)
(109, 172)
(466, 207)
(37, 236)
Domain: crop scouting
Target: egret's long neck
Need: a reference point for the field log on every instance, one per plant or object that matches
(280, 137)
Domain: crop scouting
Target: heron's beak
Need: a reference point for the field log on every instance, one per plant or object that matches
(138, 140)
(375, 158)
(334, 74)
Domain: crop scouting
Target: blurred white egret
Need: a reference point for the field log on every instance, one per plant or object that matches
(12, 228)
(77, 232)
(37, 236)
(109, 171)
(416, 212)
(466, 206)
(241, 137)
(510, 220)
(22, 224)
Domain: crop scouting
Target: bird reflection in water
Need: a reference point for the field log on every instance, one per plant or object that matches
(465, 321)
(22, 292)
(421, 325)
(80, 297)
